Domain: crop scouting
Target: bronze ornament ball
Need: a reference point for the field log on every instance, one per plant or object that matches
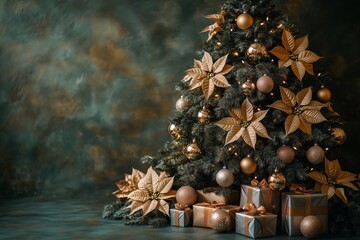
(248, 165)
(248, 87)
(244, 21)
(174, 131)
(220, 220)
(311, 226)
(286, 154)
(256, 51)
(265, 84)
(339, 135)
(192, 150)
(277, 181)
(224, 177)
(204, 116)
(315, 154)
(324, 94)
(182, 104)
(186, 195)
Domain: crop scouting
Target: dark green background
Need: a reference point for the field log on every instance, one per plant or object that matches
(86, 87)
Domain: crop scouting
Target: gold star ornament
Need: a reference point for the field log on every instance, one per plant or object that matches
(293, 53)
(207, 75)
(301, 110)
(244, 123)
(152, 192)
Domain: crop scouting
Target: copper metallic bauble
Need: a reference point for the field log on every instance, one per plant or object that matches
(182, 104)
(186, 195)
(256, 51)
(204, 116)
(220, 220)
(225, 177)
(286, 154)
(324, 94)
(311, 226)
(248, 165)
(277, 181)
(244, 21)
(174, 131)
(339, 135)
(192, 151)
(315, 154)
(248, 87)
(265, 84)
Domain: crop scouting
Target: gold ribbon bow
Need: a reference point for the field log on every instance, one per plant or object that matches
(253, 210)
(211, 205)
(263, 183)
(296, 188)
(179, 206)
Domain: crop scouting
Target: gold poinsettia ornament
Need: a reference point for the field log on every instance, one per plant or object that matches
(152, 192)
(129, 184)
(301, 110)
(244, 123)
(207, 74)
(294, 54)
(216, 27)
(333, 176)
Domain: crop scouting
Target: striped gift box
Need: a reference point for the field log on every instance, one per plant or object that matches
(181, 217)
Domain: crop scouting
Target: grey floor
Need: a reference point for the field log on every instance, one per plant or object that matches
(80, 218)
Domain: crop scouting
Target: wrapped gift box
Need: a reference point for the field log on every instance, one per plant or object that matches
(256, 226)
(181, 217)
(260, 196)
(296, 206)
(202, 213)
(212, 197)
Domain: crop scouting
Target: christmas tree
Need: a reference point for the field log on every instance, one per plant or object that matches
(253, 106)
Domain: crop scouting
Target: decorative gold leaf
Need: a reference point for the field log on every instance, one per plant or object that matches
(150, 207)
(280, 105)
(292, 123)
(308, 67)
(139, 195)
(227, 68)
(165, 185)
(247, 110)
(194, 73)
(332, 168)
(197, 63)
(288, 97)
(313, 116)
(219, 64)
(163, 207)
(304, 125)
(136, 176)
(280, 53)
(317, 176)
(328, 190)
(207, 88)
(301, 44)
(136, 206)
(304, 96)
(236, 113)
(260, 129)
(317, 187)
(195, 83)
(345, 177)
(228, 123)
(258, 116)
(141, 184)
(298, 68)
(288, 40)
(206, 62)
(249, 136)
(315, 105)
(233, 135)
(169, 195)
(220, 81)
(308, 56)
(215, 17)
(340, 193)
(350, 185)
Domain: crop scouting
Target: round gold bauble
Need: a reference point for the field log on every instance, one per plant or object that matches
(182, 104)
(286, 154)
(277, 181)
(174, 131)
(186, 195)
(339, 135)
(220, 220)
(265, 84)
(204, 116)
(324, 94)
(244, 21)
(315, 154)
(224, 177)
(311, 226)
(248, 87)
(256, 51)
(192, 151)
(248, 165)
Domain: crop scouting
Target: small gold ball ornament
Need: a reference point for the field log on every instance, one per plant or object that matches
(248, 165)
(248, 87)
(224, 177)
(265, 84)
(204, 116)
(277, 181)
(324, 94)
(339, 135)
(174, 131)
(315, 154)
(220, 220)
(182, 104)
(244, 21)
(256, 51)
(286, 154)
(186, 195)
(311, 226)
(192, 150)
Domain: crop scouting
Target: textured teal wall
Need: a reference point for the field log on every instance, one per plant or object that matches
(86, 87)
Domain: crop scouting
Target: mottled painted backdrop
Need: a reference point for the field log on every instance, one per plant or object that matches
(86, 87)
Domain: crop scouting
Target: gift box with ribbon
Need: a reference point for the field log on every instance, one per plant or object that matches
(210, 197)
(255, 222)
(202, 213)
(261, 195)
(296, 206)
(181, 216)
